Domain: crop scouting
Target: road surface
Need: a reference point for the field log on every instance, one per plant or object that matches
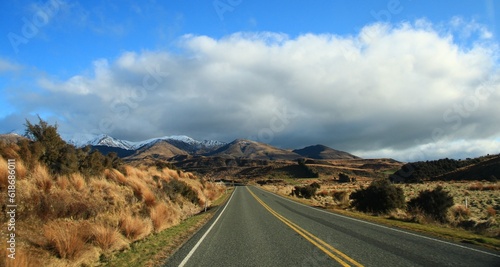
(258, 228)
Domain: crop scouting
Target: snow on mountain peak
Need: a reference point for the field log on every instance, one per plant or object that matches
(81, 140)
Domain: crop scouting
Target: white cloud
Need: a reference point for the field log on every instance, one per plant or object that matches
(7, 66)
(383, 92)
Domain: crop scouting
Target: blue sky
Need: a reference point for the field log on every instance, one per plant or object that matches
(230, 69)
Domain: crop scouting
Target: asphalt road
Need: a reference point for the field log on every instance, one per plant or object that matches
(257, 228)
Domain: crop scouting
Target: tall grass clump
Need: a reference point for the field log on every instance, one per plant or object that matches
(134, 227)
(64, 238)
(163, 216)
(107, 238)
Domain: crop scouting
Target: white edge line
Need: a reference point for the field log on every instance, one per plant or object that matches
(385, 227)
(188, 256)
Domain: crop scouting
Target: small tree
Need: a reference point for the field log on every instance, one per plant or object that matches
(380, 197)
(51, 143)
(434, 203)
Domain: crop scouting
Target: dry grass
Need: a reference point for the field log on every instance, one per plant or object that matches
(21, 170)
(4, 173)
(78, 182)
(42, 178)
(480, 215)
(478, 186)
(107, 238)
(459, 213)
(115, 175)
(163, 216)
(23, 259)
(171, 174)
(491, 212)
(135, 228)
(62, 182)
(65, 239)
(149, 197)
(72, 220)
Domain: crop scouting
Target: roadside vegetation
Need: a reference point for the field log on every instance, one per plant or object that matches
(465, 211)
(76, 207)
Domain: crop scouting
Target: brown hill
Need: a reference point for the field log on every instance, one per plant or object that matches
(241, 148)
(161, 149)
(487, 169)
(323, 152)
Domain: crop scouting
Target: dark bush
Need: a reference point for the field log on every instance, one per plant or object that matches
(380, 197)
(434, 203)
(175, 187)
(47, 146)
(306, 191)
(344, 178)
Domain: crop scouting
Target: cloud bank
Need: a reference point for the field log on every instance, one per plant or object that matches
(408, 91)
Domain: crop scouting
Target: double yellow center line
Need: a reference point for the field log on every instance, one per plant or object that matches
(322, 245)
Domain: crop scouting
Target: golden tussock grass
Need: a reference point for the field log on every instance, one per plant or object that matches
(62, 182)
(107, 238)
(78, 182)
(4, 173)
(42, 178)
(142, 191)
(80, 217)
(115, 175)
(163, 216)
(459, 213)
(149, 197)
(9, 151)
(134, 227)
(135, 172)
(171, 174)
(19, 168)
(100, 184)
(65, 238)
(22, 259)
(491, 212)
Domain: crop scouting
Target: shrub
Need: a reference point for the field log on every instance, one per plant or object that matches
(175, 187)
(380, 197)
(344, 178)
(306, 191)
(434, 203)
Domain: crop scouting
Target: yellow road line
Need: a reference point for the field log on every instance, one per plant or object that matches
(322, 245)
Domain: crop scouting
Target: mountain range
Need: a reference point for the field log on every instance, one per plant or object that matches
(181, 145)
(167, 147)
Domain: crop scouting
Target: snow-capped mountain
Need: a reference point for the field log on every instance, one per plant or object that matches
(183, 142)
